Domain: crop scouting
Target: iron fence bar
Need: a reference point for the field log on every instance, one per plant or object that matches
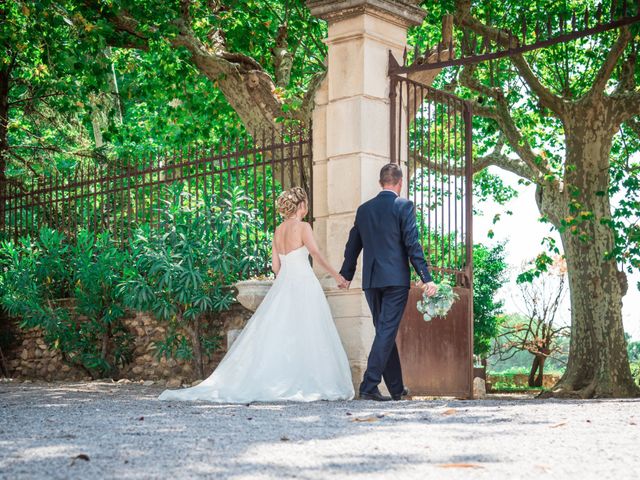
(469, 192)
(562, 38)
(448, 107)
(421, 136)
(116, 196)
(392, 118)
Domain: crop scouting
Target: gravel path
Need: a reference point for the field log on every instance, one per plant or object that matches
(125, 433)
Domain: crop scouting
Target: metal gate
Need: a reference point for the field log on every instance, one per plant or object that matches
(431, 136)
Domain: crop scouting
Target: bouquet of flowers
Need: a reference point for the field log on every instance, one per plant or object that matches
(438, 305)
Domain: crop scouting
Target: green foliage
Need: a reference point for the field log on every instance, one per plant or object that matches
(539, 266)
(568, 70)
(97, 266)
(625, 188)
(487, 185)
(55, 82)
(80, 88)
(511, 387)
(36, 275)
(67, 291)
(633, 350)
(183, 271)
(490, 267)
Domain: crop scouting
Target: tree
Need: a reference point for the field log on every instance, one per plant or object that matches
(537, 332)
(557, 112)
(489, 267)
(44, 89)
(215, 37)
(185, 270)
(554, 116)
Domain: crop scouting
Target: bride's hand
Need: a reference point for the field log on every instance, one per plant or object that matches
(341, 281)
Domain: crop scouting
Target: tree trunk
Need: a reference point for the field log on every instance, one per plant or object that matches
(5, 75)
(597, 364)
(198, 357)
(532, 372)
(104, 350)
(537, 366)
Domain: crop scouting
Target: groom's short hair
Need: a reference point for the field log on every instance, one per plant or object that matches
(390, 174)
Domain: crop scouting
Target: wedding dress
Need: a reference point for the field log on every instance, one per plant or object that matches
(289, 350)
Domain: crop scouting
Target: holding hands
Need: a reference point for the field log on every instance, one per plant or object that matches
(430, 288)
(343, 283)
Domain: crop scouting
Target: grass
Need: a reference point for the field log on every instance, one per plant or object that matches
(522, 371)
(505, 387)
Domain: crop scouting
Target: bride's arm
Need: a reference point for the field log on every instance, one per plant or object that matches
(310, 242)
(275, 258)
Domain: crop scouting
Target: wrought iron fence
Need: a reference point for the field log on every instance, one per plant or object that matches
(124, 194)
(431, 133)
(521, 30)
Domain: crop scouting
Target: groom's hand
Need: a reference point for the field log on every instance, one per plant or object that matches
(342, 282)
(429, 289)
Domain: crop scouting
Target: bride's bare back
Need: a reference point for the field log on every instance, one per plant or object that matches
(293, 234)
(289, 236)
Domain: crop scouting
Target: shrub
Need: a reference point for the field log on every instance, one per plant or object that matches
(183, 271)
(97, 266)
(39, 277)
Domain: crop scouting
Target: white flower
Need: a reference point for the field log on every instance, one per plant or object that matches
(439, 304)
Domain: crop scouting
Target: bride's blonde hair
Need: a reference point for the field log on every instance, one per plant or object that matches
(289, 201)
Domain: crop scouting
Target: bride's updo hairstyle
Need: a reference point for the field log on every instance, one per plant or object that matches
(289, 201)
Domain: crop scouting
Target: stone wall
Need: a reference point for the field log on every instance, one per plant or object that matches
(29, 357)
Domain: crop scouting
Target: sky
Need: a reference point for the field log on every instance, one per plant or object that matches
(524, 234)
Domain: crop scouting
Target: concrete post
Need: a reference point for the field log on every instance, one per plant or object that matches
(351, 140)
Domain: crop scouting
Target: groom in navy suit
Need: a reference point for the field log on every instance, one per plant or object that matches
(385, 228)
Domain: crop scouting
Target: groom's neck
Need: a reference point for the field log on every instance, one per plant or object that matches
(391, 189)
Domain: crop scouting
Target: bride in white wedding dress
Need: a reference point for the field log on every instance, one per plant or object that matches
(290, 348)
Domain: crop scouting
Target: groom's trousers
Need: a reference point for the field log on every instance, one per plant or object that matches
(387, 306)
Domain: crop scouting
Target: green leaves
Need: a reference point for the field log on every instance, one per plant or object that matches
(536, 268)
(489, 276)
(68, 289)
(183, 272)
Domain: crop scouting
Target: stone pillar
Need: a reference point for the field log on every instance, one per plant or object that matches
(351, 140)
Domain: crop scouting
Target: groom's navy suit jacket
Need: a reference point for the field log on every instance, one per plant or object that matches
(385, 228)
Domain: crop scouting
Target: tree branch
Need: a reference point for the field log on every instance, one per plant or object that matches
(282, 58)
(502, 115)
(464, 19)
(443, 51)
(496, 158)
(36, 97)
(468, 80)
(248, 88)
(634, 124)
(517, 142)
(626, 105)
(627, 75)
(609, 64)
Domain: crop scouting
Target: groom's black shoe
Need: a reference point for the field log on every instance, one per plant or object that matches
(398, 396)
(376, 396)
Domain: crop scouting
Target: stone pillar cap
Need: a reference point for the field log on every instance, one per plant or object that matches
(405, 12)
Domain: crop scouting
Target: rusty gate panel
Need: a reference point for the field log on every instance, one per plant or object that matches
(431, 138)
(437, 356)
